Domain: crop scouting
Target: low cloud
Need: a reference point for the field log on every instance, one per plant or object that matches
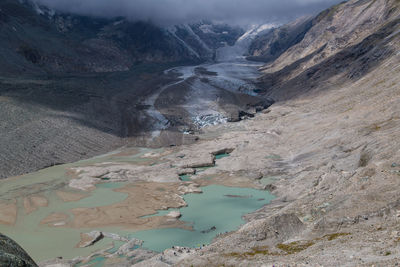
(167, 12)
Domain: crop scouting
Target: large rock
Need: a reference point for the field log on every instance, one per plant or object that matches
(11, 254)
(174, 214)
(276, 229)
(89, 239)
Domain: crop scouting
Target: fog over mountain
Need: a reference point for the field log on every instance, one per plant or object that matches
(167, 12)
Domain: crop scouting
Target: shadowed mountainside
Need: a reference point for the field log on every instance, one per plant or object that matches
(72, 86)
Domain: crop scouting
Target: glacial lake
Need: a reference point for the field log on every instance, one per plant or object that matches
(218, 209)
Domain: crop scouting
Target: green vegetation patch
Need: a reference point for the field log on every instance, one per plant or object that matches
(331, 237)
(254, 251)
(295, 247)
(290, 248)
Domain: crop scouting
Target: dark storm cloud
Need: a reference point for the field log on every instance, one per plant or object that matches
(178, 11)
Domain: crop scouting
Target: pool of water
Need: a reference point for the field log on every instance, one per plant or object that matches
(185, 178)
(221, 156)
(218, 207)
(44, 242)
(96, 262)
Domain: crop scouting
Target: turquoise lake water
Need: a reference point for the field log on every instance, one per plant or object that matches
(219, 206)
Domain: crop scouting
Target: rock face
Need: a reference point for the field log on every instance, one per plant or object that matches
(11, 254)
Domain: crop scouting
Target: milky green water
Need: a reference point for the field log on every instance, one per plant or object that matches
(185, 178)
(43, 242)
(214, 208)
(221, 156)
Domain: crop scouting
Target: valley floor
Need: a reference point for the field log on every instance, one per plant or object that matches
(331, 159)
(312, 180)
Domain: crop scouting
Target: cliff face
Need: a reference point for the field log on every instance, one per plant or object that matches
(344, 43)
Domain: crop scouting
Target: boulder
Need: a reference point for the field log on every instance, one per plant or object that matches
(190, 188)
(186, 171)
(11, 254)
(127, 247)
(174, 214)
(89, 239)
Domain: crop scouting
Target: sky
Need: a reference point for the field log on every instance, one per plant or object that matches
(169, 12)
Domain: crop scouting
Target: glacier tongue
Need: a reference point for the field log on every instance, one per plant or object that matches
(205, 84)
(241, 47)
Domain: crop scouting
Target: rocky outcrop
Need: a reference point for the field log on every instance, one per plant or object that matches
(11, 254)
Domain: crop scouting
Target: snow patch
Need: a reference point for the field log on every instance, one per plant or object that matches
(199, 40)
(172, 31)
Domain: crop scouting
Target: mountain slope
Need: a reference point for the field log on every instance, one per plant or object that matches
(72, 87)
(344, 43)
(269, 46)
(59, 43)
